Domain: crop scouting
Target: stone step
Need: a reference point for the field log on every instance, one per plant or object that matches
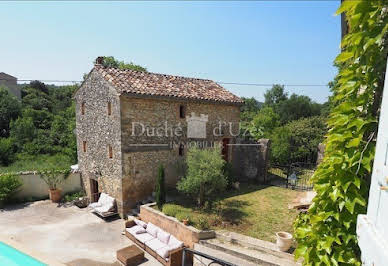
(258, 256)
(200, 261)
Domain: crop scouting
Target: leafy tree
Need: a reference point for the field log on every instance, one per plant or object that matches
(281, 145)
(110, 61)
(10, 109)
(9, 184)
(262, 125)
(250, 108)
(23, 131)
(160, 188)
(326, 235)
(275, 95)
(296, 107)
(205, 177)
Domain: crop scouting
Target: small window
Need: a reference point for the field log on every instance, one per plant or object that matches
(82, 108)
(181, 111)
(84, 146)
(110, 152)
(109, 108)
(181, 149)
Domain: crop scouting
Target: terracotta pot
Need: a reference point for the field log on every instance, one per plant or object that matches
(55, 195)
(185, 221)
(283, 241)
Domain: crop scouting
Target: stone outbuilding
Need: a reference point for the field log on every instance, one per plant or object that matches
(128, 123)
(10, 82)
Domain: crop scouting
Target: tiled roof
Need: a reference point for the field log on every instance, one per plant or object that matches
(146, 83)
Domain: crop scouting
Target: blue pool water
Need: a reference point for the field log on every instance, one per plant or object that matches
(13, 257)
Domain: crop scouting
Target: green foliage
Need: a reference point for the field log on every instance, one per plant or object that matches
(110, 61)
(160, 188)
(171, 209)
(205, 175)
(298, 140)
(228, 173)
(263, 123)
(203, 223)
(9, 184)
(73, 196)
(326, 235)
(275, 95)
(249, 109)
(297, 107)
(7, 151)
(10, 109)
(54, 177)
(184, 216)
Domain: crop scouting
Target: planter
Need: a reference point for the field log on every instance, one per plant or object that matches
(55, 195)
(185, 221)
(283, 241)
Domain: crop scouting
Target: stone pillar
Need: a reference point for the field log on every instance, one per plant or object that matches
(263, 160)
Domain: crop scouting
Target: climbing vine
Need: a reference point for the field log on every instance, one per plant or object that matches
(326, 235)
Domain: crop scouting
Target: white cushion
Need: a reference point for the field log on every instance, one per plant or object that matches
(152, 229)
(108, 204)
(95, 204)
(174, 243)
(102, 198)
(164, 252)
(137, 229)
(163, 236)
(139, 222)
(155, 244)
(143, 237)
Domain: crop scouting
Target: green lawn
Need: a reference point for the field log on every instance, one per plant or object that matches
(255, 210)
(36, 163)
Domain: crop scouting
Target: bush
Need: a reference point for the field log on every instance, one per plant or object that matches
(54, 177)
(73, 196)
(205, 177)
(228, 173)
(203, 223)
(7, 151)
(160, 188)
(9, 184)
(184, 215)
(171, 209)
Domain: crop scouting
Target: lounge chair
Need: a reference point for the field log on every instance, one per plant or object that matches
(105, 207)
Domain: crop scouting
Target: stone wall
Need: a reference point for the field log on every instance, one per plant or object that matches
(188, 234)
(100, 130)
(321, 153)
(251, 160)
(34, 187)
(140, 163)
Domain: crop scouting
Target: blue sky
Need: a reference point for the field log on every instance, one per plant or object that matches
(286, 42)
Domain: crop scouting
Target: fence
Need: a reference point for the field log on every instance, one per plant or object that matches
(295, 176)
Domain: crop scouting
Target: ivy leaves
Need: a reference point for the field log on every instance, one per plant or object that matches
(326, 235)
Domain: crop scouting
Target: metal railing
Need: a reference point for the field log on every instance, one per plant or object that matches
(214, 260)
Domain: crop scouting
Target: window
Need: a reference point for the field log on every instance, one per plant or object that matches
(109, 108)
(181, 111)
(82, 108)
(84, 146)
(110, 152)
(181, 149)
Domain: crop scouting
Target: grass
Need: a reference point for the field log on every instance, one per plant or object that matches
(37, 163)
(255, 210)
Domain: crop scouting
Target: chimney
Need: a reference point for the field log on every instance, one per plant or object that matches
(99, 60)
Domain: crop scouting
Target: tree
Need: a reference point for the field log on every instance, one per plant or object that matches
(250, 108)
(7, 151)
(160, 188)
(9, 184)
(262, 125)
(275, 95)
(10, 109)
(110, 61)
(327, 233)
(296, 107)
(205, 177)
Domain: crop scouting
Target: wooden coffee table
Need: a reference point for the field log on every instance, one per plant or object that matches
(131, 255)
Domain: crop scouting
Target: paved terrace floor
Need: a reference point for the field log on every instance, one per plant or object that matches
(66, 233)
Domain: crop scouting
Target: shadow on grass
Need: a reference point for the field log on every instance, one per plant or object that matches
(233, 212)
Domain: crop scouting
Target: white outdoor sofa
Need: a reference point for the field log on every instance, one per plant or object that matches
(160, 244)
(105, 206)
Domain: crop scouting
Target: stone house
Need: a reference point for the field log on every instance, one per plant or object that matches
(129, 122)
(10, 82)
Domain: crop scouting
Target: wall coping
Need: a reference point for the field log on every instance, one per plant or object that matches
(33, 172)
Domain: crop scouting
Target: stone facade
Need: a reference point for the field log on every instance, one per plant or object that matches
(143, 132)
(10, 83)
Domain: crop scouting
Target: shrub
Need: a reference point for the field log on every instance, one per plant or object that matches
(171, 209)
(54, 177)
(160, 188)
(9, 184)
(203, 223)
(184, 215)
(205, 177)
(228, 173)
(7, 151)
(73, 196)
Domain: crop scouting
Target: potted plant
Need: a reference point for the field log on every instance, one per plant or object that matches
(283, 241)
(53, 178)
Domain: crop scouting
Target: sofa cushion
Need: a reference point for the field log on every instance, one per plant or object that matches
(132, 230)
(139, 222)
(143, 237)
(164, 252)
(163, 236)
(155, 244)
(174, 243)
(152, 229)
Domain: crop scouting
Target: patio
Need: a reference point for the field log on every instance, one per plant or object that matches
(66, 233)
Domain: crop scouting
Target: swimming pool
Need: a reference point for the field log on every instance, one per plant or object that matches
(13, 257)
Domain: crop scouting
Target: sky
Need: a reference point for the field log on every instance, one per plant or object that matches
(263, 42)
